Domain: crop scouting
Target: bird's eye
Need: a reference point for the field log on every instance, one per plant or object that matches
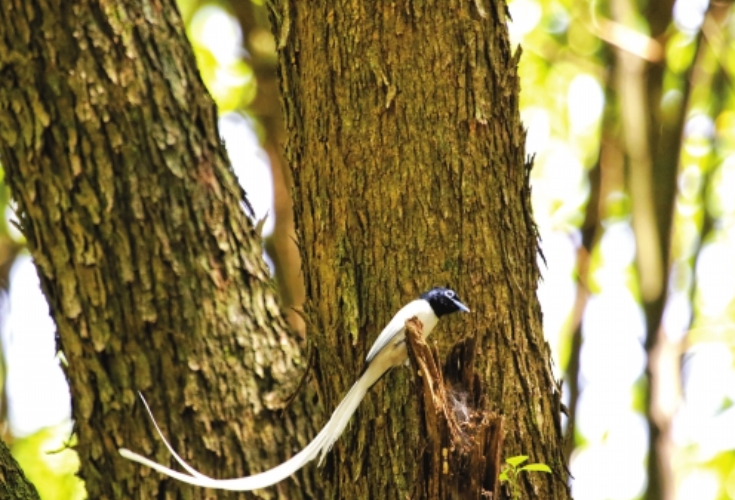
(450, 294)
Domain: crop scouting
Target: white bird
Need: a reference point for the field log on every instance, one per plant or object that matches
(389, 350)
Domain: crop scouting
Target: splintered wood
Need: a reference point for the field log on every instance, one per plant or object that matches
(461, 459)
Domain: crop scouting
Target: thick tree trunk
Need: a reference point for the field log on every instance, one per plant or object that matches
(152, 270)
(13, 483)
(406, 148)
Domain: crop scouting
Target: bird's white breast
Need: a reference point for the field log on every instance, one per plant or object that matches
(395, 331)
(422, 310)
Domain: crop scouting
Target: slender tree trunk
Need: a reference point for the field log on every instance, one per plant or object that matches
(590, 230)
(652, 143)
(406, 149)
(266, 107)
(151, 267)
(9, 250)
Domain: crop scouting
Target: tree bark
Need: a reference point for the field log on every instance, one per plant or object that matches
(407, 155)
(13, 483)
(406, 149)
(151, 267)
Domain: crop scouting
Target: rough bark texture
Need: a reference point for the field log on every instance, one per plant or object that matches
(150, 265)
(406, 149)
(13, 483)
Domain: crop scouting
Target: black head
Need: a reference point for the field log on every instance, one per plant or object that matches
(444, 301)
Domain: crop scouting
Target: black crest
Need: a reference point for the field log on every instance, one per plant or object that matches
(444, 301)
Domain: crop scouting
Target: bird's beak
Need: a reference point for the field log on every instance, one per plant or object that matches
(461, 306)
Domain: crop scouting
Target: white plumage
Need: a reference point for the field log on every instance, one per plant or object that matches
(389, 350)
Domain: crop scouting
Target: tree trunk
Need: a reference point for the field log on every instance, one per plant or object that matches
(406, 149)
(152, 269)
(652, 145)
(13, 483)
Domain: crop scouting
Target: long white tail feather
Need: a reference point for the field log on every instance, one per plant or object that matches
(389, 350)
(191, 470)
(257, 481)
(323, 442)
(342, 415)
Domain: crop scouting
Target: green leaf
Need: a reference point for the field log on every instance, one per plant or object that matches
(50, 462)
(503, 477)
(516, 461)
(537, 468)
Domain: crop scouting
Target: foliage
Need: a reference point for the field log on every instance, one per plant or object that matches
(512, 470)
(50, 464)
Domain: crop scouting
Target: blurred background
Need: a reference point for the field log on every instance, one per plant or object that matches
(630, 110)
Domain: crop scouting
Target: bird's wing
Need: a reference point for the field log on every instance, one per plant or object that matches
(388, 335)
(396, 330)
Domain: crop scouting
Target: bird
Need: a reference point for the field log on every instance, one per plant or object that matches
(388, 351)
